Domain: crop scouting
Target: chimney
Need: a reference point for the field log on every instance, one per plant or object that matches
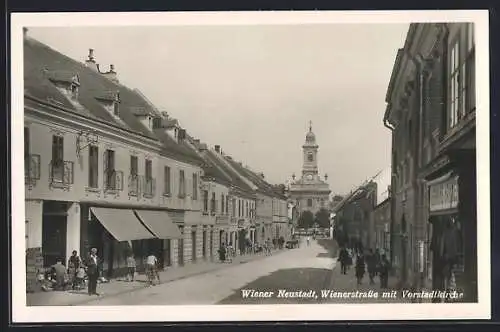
(111, 74)
(217, 148)
(90, 62)
(164, 114)
(262, 175)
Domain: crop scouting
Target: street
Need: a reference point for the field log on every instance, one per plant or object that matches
(312, 264)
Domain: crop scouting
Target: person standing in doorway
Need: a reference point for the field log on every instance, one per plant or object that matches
(93, 271)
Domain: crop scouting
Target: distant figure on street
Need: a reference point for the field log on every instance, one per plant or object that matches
(308, 239)
(93, 267)
(385, 267)
(152, 269)
(371, 262)
(222, 253)
(343, 259)
(229, 252)
(349, 260)
(360, 268)
(131, 265)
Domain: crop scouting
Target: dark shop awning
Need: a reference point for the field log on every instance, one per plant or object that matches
(160, 223)
(122, 224)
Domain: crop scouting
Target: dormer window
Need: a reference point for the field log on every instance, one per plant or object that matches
(66, 82)
(110, 100)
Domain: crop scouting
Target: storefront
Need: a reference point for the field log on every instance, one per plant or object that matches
(118, 233)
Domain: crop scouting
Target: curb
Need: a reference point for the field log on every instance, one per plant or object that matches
(217, 268)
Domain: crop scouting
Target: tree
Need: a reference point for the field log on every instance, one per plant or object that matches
(322, 218)
(306, 219)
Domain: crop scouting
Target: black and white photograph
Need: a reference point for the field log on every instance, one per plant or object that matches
(250, 166)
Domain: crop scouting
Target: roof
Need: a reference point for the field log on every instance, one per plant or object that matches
(42, 63)
(262, 186)
(228, 173)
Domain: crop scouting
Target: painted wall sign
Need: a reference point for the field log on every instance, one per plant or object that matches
(444, 196)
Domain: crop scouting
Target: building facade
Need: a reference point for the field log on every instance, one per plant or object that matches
(310, 192)
(105, 168)
(381, 217)
(431, 112)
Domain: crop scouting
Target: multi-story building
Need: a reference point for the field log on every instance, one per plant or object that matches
(431, 112)
(93, 163)
(353, 216)
(381, 217)
(310, 192)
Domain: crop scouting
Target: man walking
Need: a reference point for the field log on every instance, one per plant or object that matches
(93, 271)
(371, 261)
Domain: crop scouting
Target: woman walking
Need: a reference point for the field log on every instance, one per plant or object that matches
(360, 268)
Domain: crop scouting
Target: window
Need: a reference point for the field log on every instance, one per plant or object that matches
(109, 169)
(166, 180)
(116, 108)
(246, 209)
(227, 204)
(205, 200)
(74, 91)
(310, 156)
(182, 184)
(57, 170)
(156, 123)
(27, 161)
(222, 203)
(309, 202)
(213, 207)
(134, 165)
(234, 207)
(195, 186)
(93, 166)
(148, 169)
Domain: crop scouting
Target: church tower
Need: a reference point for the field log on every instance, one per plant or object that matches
(310, 151)
(310, 192)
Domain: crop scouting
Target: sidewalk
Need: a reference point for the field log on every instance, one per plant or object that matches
(121, 286)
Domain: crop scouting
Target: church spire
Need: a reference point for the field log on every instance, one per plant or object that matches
(310, 126)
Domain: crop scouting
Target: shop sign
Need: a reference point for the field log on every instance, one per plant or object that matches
(444, 196)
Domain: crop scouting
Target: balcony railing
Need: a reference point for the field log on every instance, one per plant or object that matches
(133, 185)
(148, 187)
(31, 169)
(61, 173)
(113, 180)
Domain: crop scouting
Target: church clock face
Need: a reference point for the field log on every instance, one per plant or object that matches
(310, 177)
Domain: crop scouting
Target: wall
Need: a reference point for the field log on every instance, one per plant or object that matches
(33, 214)
(41, 143)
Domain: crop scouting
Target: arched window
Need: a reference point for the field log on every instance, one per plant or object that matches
(310, 156)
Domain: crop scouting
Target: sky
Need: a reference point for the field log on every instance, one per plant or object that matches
(253, 89)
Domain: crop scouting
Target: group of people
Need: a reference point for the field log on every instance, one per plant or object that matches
(227, 252)
(373, 262)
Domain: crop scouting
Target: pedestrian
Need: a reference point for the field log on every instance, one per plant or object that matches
(74, 263)
(349, 259)
(59, 271)
(229, 252)
(308, 240)
(371, 262)
(93, 269)
(360, 268)
(343, 259)
(222, 253)
(151, 272)
(385, 267)
(131, 266)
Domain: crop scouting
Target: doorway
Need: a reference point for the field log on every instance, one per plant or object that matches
(54, 229)
(167, 252)
(180, 252)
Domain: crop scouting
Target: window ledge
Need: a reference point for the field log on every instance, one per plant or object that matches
(92, 190)
(167, 195)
